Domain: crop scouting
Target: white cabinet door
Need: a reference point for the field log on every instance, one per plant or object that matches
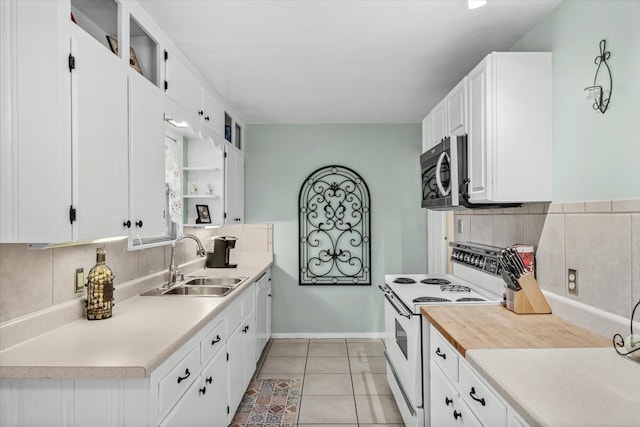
(263, 308)
(439, 123)
(478, 129)
(235, 347)
(443, 397)
(234, 185)
(188, 412)
(99, 142)
(456, 106)
(426, 133)
(250, 348)
(147, 189)
(213, 113)
(216, 399)
(182, 86)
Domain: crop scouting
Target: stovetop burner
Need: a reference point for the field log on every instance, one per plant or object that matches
(435, 281)
(455, 288)
(404, 280)
(470, 299)
(431, 299)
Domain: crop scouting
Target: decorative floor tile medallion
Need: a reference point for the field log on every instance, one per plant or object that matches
(269, 403)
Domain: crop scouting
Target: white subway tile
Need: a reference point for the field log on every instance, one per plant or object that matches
(536, 208)
(598, 206)
(550, 262)
(507, 230)
(631, 205)
(573, 207)
(554, 208)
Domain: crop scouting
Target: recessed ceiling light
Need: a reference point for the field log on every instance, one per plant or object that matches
(474, 4)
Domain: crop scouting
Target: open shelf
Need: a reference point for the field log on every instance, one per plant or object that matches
(143, 52)
(99, 18)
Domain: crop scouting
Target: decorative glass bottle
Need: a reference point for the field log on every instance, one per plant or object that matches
(100, 289)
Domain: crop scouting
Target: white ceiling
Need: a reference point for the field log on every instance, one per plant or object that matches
(340, 61)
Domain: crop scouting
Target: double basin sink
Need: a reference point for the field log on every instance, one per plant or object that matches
(199, 286)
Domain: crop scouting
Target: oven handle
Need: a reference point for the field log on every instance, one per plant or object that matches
(404, 394)
(402, 312)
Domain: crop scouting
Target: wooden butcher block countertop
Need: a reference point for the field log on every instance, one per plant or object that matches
(469, 327)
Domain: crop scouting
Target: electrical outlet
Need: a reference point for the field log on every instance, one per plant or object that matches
(460, 226)
(79, 283)
(572, 281)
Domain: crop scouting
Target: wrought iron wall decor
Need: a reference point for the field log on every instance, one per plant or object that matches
(334, 208)
(602, 87)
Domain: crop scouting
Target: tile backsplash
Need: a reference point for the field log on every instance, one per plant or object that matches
(600, 239)
(36, 280)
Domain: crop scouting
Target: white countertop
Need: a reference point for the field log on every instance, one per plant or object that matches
(564, 387)
(143, 332)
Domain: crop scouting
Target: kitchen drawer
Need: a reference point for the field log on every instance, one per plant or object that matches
(443, 354)
(177, 381)
(214, 341)
(488, 407)
(240, 307)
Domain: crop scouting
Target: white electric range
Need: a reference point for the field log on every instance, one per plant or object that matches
(475, 280)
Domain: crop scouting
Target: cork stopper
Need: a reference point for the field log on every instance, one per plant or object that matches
(101, 255)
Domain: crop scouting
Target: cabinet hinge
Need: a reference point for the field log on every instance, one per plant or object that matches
(225, 154)
(166, 55)
(227, 357)
(228, 409)
(225, 215)
(72, 62)
(72, 214)
(166, 85)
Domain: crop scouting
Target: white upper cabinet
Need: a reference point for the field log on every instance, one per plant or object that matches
(439, 123)
(510, 128)
(182, 85)
(426, 133)
(99, 142)
(147, 188)
(234, 192)
(456, 107)
(213, 112)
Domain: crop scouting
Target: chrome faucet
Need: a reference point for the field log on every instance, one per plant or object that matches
(173, 266)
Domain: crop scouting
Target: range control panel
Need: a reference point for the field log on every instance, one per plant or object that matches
(474, 255)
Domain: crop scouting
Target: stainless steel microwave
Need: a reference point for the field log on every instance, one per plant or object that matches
(444, 172)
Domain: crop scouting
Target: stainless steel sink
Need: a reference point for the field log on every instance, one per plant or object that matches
(209, 291)
(199, 286)
(214, 281)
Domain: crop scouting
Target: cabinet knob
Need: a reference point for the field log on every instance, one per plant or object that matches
(203, 390)
(448, 401)
(200, 113)
(127, 223)
(457, 414)
(209, 380)
(139, 224)
(206, 118)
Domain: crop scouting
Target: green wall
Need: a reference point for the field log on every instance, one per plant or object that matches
(277, 160)
(595, 156)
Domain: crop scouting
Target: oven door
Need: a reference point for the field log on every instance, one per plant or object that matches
(403, 351)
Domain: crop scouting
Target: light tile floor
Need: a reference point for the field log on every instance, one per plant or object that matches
(344, 380)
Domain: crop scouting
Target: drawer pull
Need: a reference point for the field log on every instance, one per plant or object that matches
(457, 414)
(209, 380)
(443, 355)
(216, 340)
(187, 374)
(472, 394)
(203, 390)
(448, 401)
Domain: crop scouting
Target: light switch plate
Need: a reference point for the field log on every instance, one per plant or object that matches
(460, 226)
(79, 282)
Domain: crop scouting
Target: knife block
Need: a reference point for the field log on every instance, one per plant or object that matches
(529, 299)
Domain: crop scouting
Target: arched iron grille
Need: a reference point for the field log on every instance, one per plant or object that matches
(335, 230)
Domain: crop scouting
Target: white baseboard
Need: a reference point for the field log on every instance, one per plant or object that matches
(371, 335)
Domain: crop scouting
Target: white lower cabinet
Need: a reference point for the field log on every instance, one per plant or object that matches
(200, 385)
(205, 402)
(458, 395)
(242, 359)
(263, 312)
